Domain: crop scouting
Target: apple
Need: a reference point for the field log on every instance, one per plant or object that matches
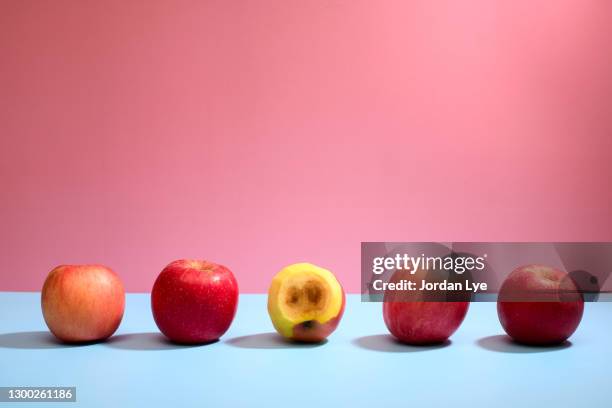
(422, 323)
(415, 317)
(539, 305)
(305, 302)
(82, 303)
(194, 301)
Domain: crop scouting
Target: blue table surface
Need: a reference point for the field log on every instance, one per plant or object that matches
(360, 365)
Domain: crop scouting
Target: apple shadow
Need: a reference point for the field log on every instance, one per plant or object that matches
(504, 344)
(269, 341)
(389, 344)
(34, 340)
(146, 341)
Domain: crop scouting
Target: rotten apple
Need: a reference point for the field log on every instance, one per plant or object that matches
(305, 302)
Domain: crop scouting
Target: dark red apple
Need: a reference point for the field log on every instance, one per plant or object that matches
(194, 301)
(539, 305)
(82, 303)
(414, 318)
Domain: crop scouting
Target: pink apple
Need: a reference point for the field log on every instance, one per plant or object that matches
(539, 305)
(194, 301)
(82, 303)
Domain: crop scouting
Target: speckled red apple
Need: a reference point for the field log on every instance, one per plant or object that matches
(413, 318)
(194, 301)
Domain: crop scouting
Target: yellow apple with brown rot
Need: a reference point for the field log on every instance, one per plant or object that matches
(305, 302)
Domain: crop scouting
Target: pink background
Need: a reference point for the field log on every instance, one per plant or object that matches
(261, 133)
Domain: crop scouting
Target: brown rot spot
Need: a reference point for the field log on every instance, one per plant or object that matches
(309, 331)
(304, 297)
(313, 292)
(293, 296)
(309, 324)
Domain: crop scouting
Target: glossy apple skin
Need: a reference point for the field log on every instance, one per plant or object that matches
(543, 322)
(194, 302)
(423, 323)
(313, 331)
(82, 303)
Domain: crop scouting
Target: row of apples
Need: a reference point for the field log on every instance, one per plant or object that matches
(195, 302)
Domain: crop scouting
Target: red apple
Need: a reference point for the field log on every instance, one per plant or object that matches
(414, 318)
(82, 303)
(539, 305)
(422, 323)
(194, 301)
